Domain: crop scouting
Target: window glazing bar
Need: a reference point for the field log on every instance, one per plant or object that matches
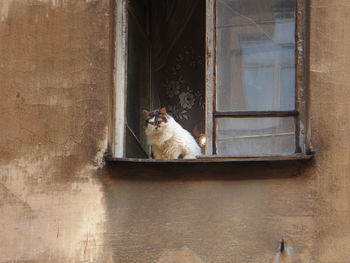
(244, 114)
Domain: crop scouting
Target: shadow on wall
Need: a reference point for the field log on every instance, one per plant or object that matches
(204, 171)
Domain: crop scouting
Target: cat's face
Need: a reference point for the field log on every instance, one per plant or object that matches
(155, 121)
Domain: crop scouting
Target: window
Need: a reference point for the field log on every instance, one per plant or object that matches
(252, 81)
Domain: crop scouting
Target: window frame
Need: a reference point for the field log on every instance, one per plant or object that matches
(300, 113)
(117, 120)
(116, 132)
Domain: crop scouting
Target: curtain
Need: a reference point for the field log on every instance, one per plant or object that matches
(169, 19)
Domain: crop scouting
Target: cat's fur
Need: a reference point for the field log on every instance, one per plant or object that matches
(167, 137)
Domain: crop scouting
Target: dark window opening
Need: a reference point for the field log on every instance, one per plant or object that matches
(165, 66)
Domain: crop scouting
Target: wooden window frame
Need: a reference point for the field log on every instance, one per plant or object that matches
(116, 131)
(116, 142)
(303, 132)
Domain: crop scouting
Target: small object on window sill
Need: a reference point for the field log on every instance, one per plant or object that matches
(219, 159)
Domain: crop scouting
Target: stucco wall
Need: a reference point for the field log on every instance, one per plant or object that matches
(57, 205)
(54, 83)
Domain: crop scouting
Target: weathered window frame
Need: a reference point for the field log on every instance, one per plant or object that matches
(303, 131)
(116, 142)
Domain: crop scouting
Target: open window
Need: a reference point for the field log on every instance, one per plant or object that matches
(230, 70)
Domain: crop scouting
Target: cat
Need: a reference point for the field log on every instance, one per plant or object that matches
(169, 140)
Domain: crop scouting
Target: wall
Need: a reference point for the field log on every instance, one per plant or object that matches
(57, 205)
(54, 82)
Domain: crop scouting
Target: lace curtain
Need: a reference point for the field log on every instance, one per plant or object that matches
(169, 20)
(178, 56)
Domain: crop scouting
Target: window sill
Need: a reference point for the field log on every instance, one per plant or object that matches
(217, 159)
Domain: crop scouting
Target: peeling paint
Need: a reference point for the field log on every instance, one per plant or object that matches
(52, 214)
(52, 136)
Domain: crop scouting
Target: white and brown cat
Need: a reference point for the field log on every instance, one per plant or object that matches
(167, 137)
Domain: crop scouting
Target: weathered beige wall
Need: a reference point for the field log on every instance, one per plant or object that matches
(56, 205)
(54, 84)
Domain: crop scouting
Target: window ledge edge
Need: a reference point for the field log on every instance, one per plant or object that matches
(217, 159)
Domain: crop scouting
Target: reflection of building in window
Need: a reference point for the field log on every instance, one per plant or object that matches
(268, 64)
(255, 72)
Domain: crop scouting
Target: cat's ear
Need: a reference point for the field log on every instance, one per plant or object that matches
(163, 110)
(145, 113)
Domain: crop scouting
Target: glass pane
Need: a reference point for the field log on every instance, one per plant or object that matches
(133, 149)
(255, 55)
(255, 136)
(258, 88)
(138, 91)
(287, 88)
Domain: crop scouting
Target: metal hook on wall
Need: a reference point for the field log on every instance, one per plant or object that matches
(282, 246)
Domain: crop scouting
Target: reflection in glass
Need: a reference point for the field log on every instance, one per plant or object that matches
(255, 136)
(255, 54)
